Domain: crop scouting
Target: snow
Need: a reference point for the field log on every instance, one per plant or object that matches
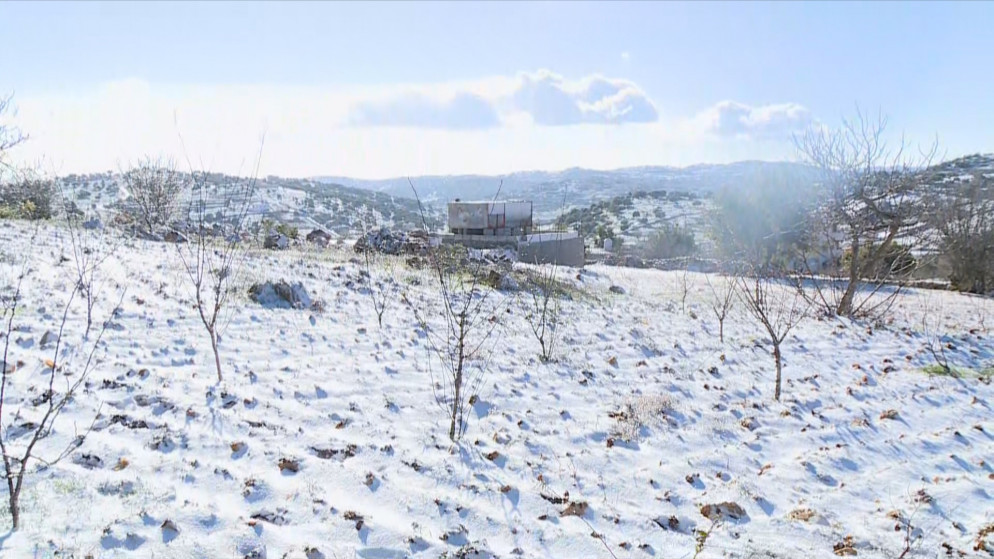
(353, 406)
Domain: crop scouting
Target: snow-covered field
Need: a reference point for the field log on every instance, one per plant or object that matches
(178, 465)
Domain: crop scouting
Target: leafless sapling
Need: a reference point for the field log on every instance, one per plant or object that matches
(777, 306)
(460, 321)
(90, 250)
(215, 251)
(684, 285)
(26, 433)
(376, 286)
(546, 306)
(546, 300)
(722, 300)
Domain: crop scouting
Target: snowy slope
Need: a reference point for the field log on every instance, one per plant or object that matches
(353, 406)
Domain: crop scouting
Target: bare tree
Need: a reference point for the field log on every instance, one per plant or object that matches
(870, 216)
(777, 306)
(722, 300)
(376, 287)
(546, 300)
(89, 251)
(10, 135)
(215, 251)
(25, 432)
(546, 304)
(963, 215)
(155, 188)
(461, 346)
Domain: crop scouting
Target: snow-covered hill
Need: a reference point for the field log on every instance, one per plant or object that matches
(644, 419)
(299, 202)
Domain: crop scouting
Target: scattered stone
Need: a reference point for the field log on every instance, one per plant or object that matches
(353, 516)
(723, 511)
(278, 517)
(48, 339)
(319, 237)
(88, 461)
(281, 295)
(289, 465)
(385, 241)
(845, 547)
(889, 414)
(327, 453)
(576, 508)
(617, 289)
(276, 241)
(802, 515)
(174, 237)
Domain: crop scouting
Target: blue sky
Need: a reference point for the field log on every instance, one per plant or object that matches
(383, 89)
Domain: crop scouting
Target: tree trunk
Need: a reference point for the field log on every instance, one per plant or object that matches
(457, 382)
(845, 305)
(776, 357)
(721, 330)
(15, 510)
(217, 355)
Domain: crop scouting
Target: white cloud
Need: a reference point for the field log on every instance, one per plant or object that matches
(552, 100)
(732, 119)
(545, 98)
(464, 110)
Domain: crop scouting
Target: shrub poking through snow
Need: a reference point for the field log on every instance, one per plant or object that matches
(639, 413)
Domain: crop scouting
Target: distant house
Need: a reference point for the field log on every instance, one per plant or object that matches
(510, 223)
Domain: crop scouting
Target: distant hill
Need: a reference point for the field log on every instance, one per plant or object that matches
(584, 187)
(305, 203)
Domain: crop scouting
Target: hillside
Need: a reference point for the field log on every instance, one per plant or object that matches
(304, 203)
(582, 187)
(324, 439)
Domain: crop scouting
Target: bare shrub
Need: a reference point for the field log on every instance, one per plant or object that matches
(640, 412)
(155, 189)
(935, 344)
(777, 306)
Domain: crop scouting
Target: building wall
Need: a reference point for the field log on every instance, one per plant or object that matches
(477, 216)
(564, 252)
